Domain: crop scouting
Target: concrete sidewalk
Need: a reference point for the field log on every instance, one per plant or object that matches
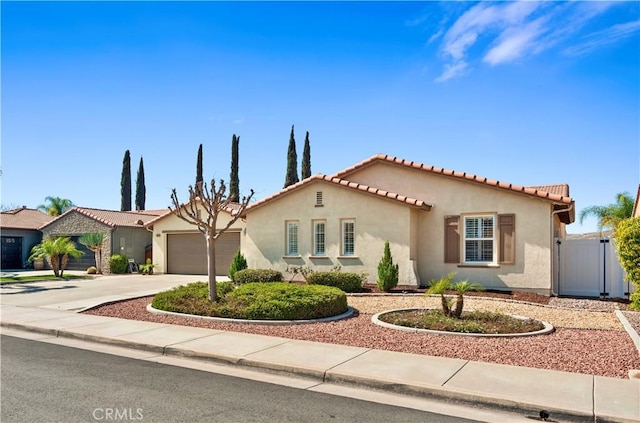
(567, 396)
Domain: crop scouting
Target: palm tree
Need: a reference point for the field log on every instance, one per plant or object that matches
(438, 287)
(610, 215)
(462, 288)
(57, 251)
(55, 206)
(94, 241)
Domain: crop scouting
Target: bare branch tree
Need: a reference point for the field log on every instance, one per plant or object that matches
(202, 210)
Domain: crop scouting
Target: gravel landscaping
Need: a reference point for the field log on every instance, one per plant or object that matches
(588, 338)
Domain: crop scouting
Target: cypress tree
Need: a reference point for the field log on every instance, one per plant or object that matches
(292, 162)
(306, 158)
(125, 183)
(141, 190)
(199, 166)
(234, 180)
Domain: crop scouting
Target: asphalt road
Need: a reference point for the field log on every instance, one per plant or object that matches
(43, 382)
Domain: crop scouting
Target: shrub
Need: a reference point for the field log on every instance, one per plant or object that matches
(348, 282)
(256, 301)
(118, 263)
(387, 271)
(257, 275)
(627, 239)
(239, 263)
(91, 270)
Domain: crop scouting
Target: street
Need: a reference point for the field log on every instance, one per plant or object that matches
(42, 382)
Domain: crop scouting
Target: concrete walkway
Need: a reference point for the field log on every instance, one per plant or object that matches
(567, 396)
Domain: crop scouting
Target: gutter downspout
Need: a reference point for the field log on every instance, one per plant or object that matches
(553, 270)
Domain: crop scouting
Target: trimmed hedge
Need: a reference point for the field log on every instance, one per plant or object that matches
(255, 301)
(257, 275)
(347, 281)
(118, 263)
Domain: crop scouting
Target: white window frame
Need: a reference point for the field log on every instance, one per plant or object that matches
(292, 241)
(348, 250)
(319, 238)
(479, 238)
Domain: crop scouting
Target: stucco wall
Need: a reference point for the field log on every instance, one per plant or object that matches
(450, 196)
(376, 220)
(131, 242)
(171, 224)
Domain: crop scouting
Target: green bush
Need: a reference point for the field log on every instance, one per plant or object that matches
(239, 263)
(627, 240)
(118, 263)
(257, 275)
(348, 282)
(387, 271)
(255, 301)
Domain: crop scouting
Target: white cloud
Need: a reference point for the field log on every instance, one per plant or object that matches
(508, 31)
(604, 38)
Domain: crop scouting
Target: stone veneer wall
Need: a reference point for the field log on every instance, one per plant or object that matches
(75, 224)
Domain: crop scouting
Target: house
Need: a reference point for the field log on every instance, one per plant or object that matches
(179, 248)
(436, 221)
(125, 233)
(19, 234)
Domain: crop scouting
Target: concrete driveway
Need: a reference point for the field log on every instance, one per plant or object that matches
(80, 294)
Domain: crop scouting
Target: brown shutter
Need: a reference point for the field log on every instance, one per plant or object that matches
(507, 234)
(452, 239)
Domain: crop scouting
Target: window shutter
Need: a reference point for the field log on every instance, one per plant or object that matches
(507, 234)
(452, 239)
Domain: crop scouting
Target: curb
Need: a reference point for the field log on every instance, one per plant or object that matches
(331, 376)
(630, 330)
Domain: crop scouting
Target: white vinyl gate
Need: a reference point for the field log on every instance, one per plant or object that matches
(589, 268)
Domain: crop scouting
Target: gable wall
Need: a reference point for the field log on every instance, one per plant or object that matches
(171, 224)
(376, 221)
(449, 196)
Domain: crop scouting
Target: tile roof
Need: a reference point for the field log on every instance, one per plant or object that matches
(113, 218)
(557, 196)
(346, 184)
(232, 209)
(23, 218)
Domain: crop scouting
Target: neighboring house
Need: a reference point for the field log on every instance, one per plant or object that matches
(436, 221)
(179, 248)
(125, 233)
(19, 234)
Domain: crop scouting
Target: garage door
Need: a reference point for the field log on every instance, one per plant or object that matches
(187, 253)
(87, 260)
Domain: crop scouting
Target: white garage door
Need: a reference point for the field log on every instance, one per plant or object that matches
(187, 253)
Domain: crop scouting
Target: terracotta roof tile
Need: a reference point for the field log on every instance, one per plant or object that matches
(113, 218)
(344, 183)
(554, 193)
(23, 218)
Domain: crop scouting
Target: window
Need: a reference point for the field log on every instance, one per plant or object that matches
(292, 238)
(348, 237)
(479, 237)
(319, 238)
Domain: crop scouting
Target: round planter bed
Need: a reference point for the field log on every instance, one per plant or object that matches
(548, 328)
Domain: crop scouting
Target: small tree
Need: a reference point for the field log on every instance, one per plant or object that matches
(57, 251)
(627, 240)
(239, 263)
(387, 271)
(292, 162)
(141, 189)
(440, 286)
(125, 183)
(94, 241)
(234, 180)
(199, 178)
(306, 158)
(202, 210)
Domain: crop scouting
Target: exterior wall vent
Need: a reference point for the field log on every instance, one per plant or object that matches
(319, 199)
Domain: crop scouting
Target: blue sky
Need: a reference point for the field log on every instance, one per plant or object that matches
(529, 93)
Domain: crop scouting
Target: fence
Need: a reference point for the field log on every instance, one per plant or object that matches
(589, 268)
